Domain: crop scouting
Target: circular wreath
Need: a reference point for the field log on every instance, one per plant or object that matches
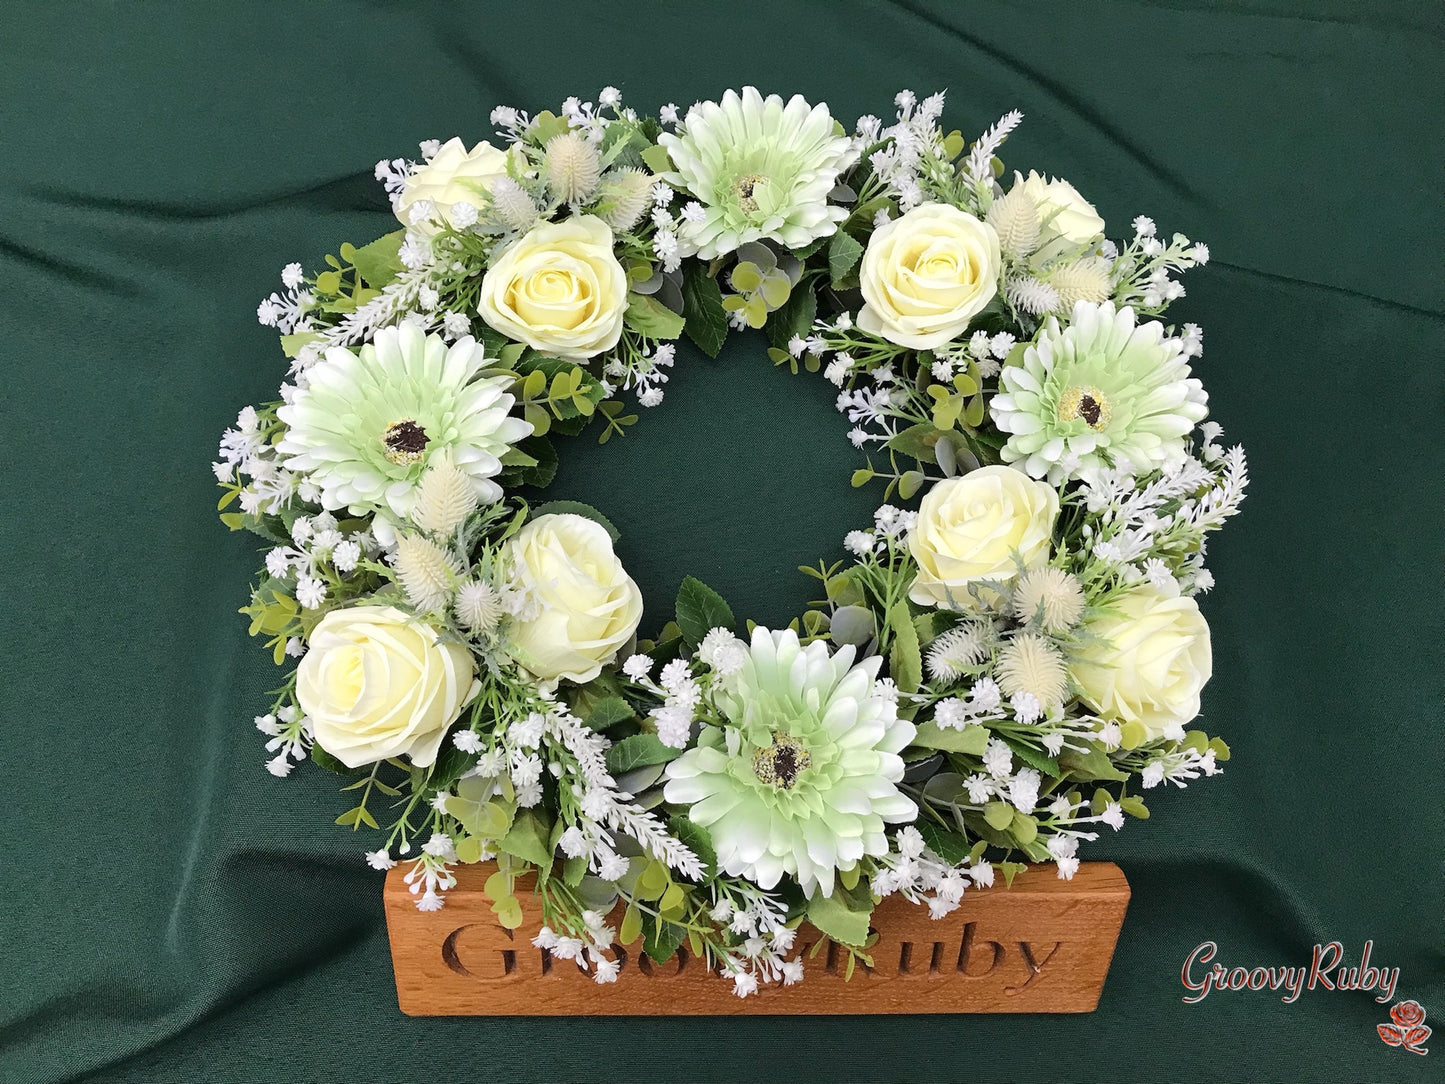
(990, 677)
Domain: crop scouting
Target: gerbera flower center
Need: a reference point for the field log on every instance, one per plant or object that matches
(745, 188)
(404, 441)
(1088, 403)
(781, 763)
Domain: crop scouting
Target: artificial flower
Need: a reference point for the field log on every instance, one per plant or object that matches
(979, 529)
(803, 776)
(452, 175)
(1063, 213)
(926, 275)
(586, 607)
(378, 683)
(368, 424)
(761, 169)
(1102, 391)
(1144, 660)
(559, 289)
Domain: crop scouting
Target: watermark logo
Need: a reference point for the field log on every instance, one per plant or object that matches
(1407, 1029)
(1327, 970)
(1324, 972)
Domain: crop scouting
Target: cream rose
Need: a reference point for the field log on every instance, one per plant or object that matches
(587, 608)
(559, 289)
(1145, 661)
(979, 527)
(378, 683)
(454, 175)
(1065, 213)
(926, 275)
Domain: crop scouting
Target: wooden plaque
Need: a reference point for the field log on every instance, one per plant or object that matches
(1043, 945)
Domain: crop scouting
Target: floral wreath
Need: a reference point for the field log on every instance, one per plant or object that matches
(982, 684)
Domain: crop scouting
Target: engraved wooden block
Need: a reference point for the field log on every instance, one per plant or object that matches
(1043, 945)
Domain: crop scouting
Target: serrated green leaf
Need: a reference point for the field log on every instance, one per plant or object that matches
(527, 839)
(905, 659)
(794, 318)
(698, 840)
(609, 711)
(972, 739)
(948, 845)
(702, 309)
(918, 441)
(1035, 759)
(650, 317)
(832, 916)
(331, 764)
(663, 939)
(1095, 764)
(656, 159)
(573, 870)
(1134, 806)
(577, 508)
(700, 609)
(639, 751)
(377, 263)
(843, 255)
(291, 344)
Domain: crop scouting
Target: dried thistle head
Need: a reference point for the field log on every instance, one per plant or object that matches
(572, 167)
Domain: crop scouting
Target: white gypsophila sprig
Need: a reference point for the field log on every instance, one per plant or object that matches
(910, 869)
(757, 923)
(913, 157)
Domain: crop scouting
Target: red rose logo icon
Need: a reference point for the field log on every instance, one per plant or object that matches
(1408, 1030)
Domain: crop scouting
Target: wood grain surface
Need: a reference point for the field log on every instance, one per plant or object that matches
(1042, 945)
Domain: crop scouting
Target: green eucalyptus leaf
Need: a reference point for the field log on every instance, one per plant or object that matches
(999, 815)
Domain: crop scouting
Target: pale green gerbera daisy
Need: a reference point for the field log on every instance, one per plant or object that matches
(803, 777)
(1100, 392)
(367, 425)
(760, 168)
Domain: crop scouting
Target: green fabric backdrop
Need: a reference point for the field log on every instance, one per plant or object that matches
(171, 912)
